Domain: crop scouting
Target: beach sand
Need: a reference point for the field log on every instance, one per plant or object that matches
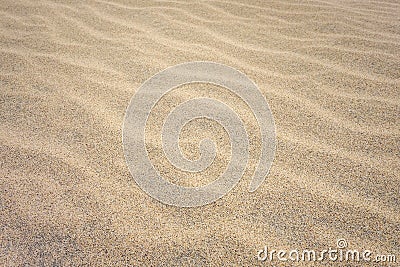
(330, 71)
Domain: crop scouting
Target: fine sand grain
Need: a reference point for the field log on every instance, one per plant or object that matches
(330, 71)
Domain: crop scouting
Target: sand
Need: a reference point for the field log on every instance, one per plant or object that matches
(330, 71)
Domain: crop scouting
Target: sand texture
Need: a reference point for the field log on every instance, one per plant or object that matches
(330, 71)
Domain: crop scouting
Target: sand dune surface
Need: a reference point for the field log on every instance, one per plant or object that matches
(330, 71)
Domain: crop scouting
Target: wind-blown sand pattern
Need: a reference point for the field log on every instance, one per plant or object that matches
(330, 71)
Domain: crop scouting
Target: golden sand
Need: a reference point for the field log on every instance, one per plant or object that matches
(329, 70)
